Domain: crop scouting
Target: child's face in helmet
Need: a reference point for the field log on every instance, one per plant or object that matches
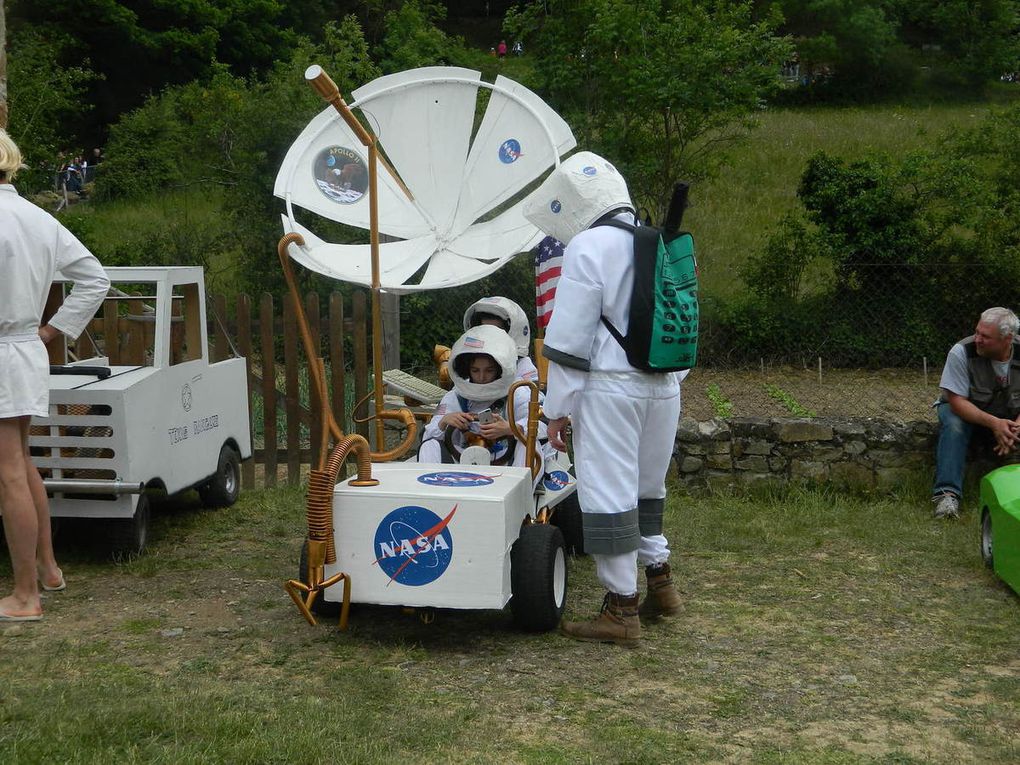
(483, 369)
(491, 320)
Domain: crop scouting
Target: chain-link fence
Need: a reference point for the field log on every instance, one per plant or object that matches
(874, 348)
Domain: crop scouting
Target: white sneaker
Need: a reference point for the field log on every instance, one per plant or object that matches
(946, 505)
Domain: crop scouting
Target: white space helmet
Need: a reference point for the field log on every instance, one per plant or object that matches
(576, 194)
(511, 313)
(496, 343)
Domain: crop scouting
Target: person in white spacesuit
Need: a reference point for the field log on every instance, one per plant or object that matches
(483, 366)
(505, 313)
(33, 248)
(624, 420)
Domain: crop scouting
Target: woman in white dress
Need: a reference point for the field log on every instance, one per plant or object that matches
(33, 248)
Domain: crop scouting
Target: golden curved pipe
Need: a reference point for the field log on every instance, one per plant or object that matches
(311, 352)
(321, 542)
(531, 455)
(406, 416)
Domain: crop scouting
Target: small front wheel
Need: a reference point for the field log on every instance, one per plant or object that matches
(538, 578)
(223, 489)
(986, 538)
(129, 535)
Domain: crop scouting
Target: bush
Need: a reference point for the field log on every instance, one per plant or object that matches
(918, 248)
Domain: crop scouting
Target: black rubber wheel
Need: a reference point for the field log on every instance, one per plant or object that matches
(538, 578)
(567, 517)
(986, 538)
(129, 535)
(320, 607)
(223, 489)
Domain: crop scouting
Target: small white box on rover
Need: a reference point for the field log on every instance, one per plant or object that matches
(141, 407)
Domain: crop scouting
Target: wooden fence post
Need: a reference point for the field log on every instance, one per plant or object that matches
(311, 369)
(245, 347)
(293, 390)
(266, 321)
(336, 356)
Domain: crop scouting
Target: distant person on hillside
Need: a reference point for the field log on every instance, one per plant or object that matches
(518, 48)
(980, 388)
(501, 49)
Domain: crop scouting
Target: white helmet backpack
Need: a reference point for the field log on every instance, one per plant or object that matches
(576, 194)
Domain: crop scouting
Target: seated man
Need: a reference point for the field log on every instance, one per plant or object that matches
(979, 388)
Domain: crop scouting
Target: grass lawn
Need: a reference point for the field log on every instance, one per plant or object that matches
(818, 628)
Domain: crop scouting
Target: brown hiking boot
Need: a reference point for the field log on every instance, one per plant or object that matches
(662, 600)
(617, 622)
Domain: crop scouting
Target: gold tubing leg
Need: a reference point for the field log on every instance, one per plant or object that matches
(295, 587)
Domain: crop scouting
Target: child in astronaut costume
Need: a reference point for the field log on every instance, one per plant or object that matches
(624, 420)
(482, 366)
(505, 313)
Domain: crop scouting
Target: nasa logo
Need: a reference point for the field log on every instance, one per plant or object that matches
(452, 479)
(556, 480)
(555, 206)
(413, 545)
(589, 170)
(509, 151)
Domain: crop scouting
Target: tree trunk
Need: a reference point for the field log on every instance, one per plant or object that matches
(3, 67)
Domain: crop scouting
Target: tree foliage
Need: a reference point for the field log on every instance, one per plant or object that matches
(910, 240)
(44, 98)
(139, 47)
(877, 48)
(660, 86)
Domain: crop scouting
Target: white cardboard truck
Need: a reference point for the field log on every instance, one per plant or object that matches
(141, 407)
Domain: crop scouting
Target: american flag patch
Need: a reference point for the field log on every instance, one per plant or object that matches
(548, 263)
(473, 342)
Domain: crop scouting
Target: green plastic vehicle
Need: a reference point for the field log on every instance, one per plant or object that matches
(1000, 523)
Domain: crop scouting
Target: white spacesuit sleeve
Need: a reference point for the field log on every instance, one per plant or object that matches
(449, 403)
(79, 265)
(571, 331)
(563, 386)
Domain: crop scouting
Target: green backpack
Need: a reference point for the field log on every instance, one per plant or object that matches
(662, 328)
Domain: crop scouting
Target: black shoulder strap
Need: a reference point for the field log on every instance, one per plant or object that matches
(614, 223)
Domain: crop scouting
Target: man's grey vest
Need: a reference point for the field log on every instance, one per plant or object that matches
(985, 393)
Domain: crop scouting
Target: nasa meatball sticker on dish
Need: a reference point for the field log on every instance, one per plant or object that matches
(341, 174)
(454, 479)
(413, 545)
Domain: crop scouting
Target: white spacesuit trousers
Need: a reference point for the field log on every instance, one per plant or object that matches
(624, 431)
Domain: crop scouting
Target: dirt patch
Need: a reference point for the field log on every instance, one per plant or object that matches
(890, 394)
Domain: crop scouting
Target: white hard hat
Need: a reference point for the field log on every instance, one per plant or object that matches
(494, 342)
(506, 309)
(576, 194)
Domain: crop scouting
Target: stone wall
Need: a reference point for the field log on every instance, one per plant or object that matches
(862, 455)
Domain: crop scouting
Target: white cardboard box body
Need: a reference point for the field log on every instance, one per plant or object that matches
(430, 535)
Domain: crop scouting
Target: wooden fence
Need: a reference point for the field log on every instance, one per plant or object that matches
(285, 432)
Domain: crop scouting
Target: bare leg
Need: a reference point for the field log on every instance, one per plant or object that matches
(21, 522)
(49, 571)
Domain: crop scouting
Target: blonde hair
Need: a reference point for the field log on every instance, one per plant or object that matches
(10, 157)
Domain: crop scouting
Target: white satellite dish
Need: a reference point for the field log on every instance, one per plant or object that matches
(446, 181)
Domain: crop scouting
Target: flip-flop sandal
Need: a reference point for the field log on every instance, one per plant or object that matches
(56, 588)
(6, 617)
